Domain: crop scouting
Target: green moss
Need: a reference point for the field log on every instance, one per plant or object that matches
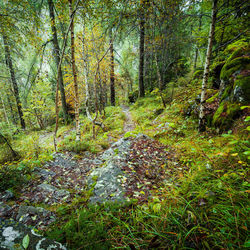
(226, 92)
(233, 65)
(225, 114)
(243, 82)
(212, 99)
(198, 74)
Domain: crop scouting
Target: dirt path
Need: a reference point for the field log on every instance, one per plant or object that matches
(129, 124)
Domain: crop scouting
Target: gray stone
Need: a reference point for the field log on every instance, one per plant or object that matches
(29, 210)
(58, 194)
(106, 178)
(7, 195)
(4, 209)
(12, 234)
(47, 188)
(46, 174)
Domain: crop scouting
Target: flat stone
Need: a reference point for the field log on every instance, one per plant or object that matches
(7, 195)
(12, 234)
(4, 209)
(47, 187)
(46, 174)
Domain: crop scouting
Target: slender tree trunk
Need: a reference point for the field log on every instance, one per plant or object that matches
(13, 80)
(141, 61)
(197, 50)
(78, 133)
(112, 71)
(57, 59)
(14, 153)
(202, 121)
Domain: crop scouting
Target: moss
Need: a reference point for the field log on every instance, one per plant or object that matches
(198, 74)
(226, 93)
(225, 115)
(233, 65)
(213, 98)
(243, 82)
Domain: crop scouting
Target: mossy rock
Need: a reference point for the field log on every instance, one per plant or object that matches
(213, 98)
(225, 115)
(215, 73)
(133, 96)
(198, 74)
(241, 91)
(234, 65)
(227, 92)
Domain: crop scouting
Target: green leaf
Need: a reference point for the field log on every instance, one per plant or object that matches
(26, 241)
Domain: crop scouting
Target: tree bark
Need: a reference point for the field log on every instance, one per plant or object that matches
(112, 71)
(57, 59)
(202, 121)
(78, 133)
(13, 80)
(141, 61)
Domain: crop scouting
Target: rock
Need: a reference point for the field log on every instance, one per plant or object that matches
(158, 111)
(12, 234)
(7, 195)
(30, 215)
(4, 209)
(63, 161)
(45, 174)
(58, 194)
(105, 179)
(47, 187)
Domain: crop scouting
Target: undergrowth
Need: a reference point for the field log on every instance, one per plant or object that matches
(206, 207)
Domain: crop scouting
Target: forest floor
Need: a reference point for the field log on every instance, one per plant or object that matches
(173, 185)
(130, 168)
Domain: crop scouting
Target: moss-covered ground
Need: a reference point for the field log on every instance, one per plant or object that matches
(204, 205)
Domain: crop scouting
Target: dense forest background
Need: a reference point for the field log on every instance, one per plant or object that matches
(71, 68)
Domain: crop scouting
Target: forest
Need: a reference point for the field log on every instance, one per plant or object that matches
(124, 124)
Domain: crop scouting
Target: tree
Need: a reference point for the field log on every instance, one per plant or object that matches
(78, 132)
(57, 58)
(202, 121)
(9, 64)
(112, 71)
(141, 52)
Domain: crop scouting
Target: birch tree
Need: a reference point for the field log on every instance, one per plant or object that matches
(202, 121)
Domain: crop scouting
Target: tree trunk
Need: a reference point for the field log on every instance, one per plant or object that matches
(202, 121)
(13, 80)
(141, 62)
(78, 133)
(14, 153)
(112, 71)
(57, 59)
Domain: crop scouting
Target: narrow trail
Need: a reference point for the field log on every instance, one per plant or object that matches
(129, 124)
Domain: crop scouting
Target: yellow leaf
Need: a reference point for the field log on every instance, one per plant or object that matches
(234, 154)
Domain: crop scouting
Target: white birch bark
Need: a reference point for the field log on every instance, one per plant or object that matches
(202, 125)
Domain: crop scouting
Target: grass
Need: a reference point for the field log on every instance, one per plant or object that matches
(204, 205)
